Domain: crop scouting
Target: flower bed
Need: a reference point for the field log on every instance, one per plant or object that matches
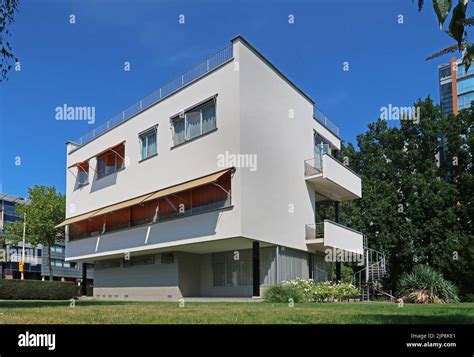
(308, 290)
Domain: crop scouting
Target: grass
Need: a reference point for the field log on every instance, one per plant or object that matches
(106, 312)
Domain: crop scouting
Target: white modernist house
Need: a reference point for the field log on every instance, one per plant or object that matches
(210, 186)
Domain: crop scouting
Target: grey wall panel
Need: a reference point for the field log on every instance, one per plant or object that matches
(152, 275)
(268, 266)
(293, 264)
(189, 274)
(321, 268)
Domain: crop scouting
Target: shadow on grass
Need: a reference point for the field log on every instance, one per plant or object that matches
(412, 319)
(58, 303)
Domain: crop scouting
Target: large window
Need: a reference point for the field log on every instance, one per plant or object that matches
(195, 122)
(464, 101)
(57, 249)
(148, 143)
(60, 263)
(232, 268)
(111, 161)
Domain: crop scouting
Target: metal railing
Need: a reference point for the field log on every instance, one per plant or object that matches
(323, 119)
(313, 166)
(213, 62)
(314, 231)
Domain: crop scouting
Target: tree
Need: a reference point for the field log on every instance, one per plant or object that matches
(418, 192)
(45, 210)
(456, 27)
(7, 16)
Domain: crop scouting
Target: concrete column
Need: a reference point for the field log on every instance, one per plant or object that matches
(84, 279)
(256, 268)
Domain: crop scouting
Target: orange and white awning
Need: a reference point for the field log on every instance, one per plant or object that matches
(149, 196)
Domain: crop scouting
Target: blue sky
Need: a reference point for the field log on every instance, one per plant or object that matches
(82, 64)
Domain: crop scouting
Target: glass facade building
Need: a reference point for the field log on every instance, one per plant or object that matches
(456, 86)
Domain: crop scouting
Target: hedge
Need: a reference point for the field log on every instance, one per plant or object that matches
(13, 289)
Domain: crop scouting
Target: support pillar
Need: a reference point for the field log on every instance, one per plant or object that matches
(84, 279)
(256, 268)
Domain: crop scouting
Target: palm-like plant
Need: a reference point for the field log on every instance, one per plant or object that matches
(425, 285)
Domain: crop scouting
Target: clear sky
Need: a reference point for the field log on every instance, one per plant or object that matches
(82, 64)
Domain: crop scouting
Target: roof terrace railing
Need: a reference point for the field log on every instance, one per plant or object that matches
(218, 59)
(323, 119)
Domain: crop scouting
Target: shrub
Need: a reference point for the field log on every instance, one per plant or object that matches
(308, 290)
(345, 291)
(304, 286)
(323, 291)
(36, 290)
(283, 293)
(425, 285)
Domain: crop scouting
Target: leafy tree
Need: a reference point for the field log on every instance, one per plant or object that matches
(456, 27)
(45, 210)
(418, 192)
(7, 16)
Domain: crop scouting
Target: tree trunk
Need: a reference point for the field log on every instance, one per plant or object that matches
(49, 264)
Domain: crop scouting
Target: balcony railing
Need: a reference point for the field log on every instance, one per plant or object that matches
(313, 166)
(323, 119)
(315, 231)
(213, 62)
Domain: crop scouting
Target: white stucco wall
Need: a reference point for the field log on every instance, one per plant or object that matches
(171, 166)
(254, 104)
(276, 201)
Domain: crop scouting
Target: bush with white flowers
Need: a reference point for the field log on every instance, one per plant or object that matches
(312, 291)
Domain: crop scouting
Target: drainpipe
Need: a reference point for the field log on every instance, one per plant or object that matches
(278, 275)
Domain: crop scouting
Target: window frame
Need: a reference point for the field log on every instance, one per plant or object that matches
(242, 268)
(212, 101)
(99, 174)
(145, 134)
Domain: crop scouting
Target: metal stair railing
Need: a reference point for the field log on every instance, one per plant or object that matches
(374, 270)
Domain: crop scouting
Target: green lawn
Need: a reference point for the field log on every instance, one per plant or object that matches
(102, 312)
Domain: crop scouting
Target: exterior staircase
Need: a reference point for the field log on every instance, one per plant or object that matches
(368, 279)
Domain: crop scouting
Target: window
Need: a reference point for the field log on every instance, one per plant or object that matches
(107, 264)
(57, 263)
(145, 260)
(232, 269)
(464, 101)
(148, 143)
(167, 258)
(110, 161)
(195, 122)
(57, 249)
(82, 173)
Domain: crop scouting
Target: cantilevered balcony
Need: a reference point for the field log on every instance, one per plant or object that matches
(331, 178)
(330, 234)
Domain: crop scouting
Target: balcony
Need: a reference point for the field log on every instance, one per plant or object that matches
(330, 234)
(331, 178)
(323, 119)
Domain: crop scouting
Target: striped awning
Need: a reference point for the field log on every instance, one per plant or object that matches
(148, 197)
